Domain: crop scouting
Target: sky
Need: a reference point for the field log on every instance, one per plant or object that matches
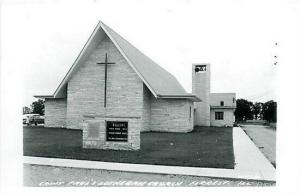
(41, 39)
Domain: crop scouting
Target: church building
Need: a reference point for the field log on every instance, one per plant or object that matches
(111, 81)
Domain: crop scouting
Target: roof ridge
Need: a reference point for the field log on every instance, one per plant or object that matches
(157, 79)
(137, 49)
(137, 55)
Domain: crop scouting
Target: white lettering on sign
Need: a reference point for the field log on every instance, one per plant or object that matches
(200, 68)
(117, 131)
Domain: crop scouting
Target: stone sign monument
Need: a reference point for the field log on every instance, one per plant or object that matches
(108, 132)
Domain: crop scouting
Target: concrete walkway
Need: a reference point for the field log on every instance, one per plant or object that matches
(250, 164)
(249, 158)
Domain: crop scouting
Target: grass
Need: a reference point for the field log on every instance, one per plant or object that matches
(203, 147)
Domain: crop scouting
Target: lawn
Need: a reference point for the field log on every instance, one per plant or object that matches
(203, 147)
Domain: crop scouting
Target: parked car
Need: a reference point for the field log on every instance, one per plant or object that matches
(37, 119)
(26, 118)
(29, 119)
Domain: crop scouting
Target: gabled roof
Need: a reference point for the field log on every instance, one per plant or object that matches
(160, 82)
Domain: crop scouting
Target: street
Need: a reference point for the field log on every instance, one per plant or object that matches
(52, 176)
(265, 139)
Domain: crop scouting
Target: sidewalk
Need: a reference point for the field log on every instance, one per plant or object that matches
(248, 157)
(250, 163)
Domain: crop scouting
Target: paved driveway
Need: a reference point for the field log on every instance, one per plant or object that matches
(265, 139)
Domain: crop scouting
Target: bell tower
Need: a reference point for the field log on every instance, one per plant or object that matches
(201, 88)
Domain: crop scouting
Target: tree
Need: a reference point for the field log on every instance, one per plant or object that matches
(269, 111)
(38, 107)
(243, 110)
(257, 110)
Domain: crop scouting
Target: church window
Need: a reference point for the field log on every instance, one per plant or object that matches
(222, 103)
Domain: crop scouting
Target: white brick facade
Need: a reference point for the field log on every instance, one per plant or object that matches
(146, 118)
(228, 119)
(86, 88)
(171, 115)
(222, 102)
(127, 96)
(55, 112)
(201, 88)
(228, 99)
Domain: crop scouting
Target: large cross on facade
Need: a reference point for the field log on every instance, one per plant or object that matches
(105, 78)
